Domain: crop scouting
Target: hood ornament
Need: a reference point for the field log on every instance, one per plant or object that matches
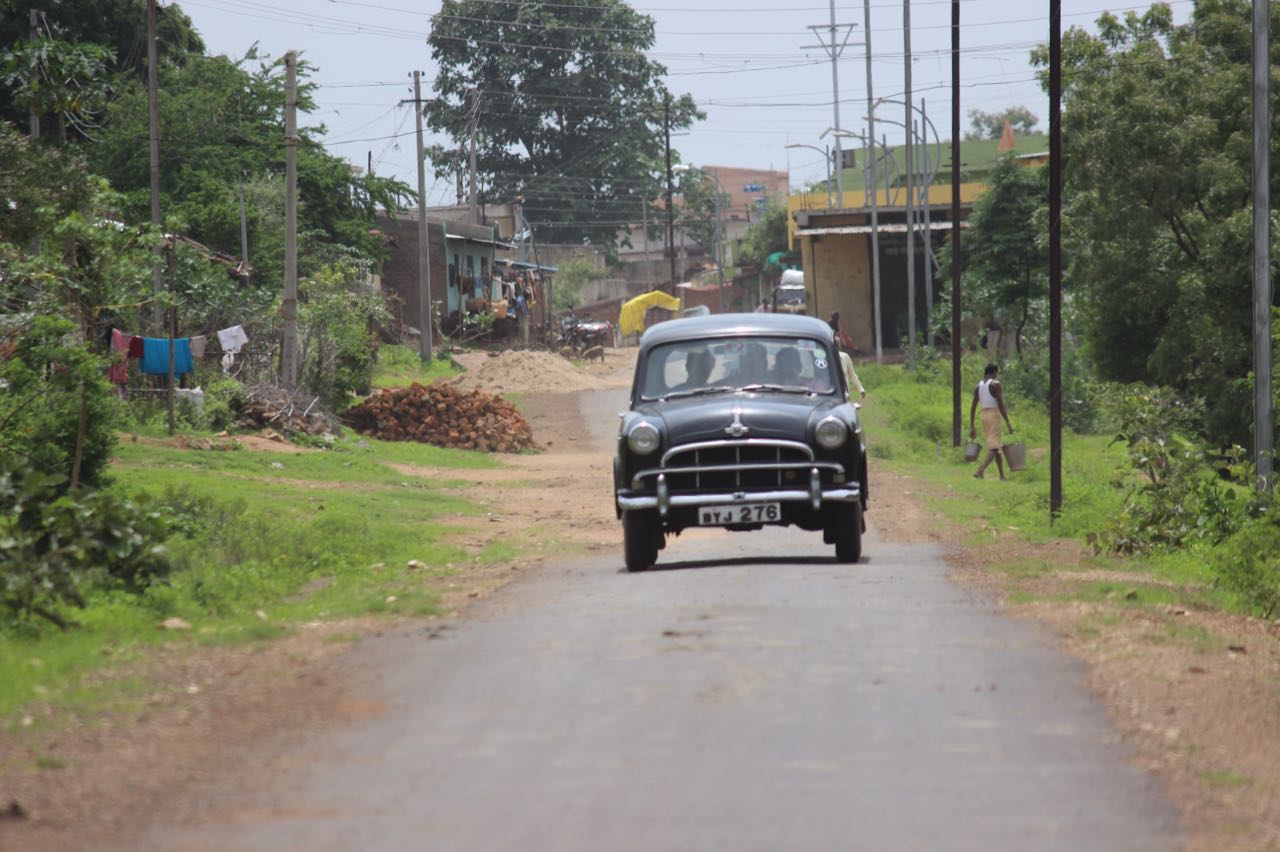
(737, 428)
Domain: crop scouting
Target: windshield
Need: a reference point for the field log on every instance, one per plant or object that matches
(767, 364)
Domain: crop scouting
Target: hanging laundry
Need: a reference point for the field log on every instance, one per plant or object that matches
(118, 372)
(198, 344)
(135, 346)
(155, 356)
(231, 339)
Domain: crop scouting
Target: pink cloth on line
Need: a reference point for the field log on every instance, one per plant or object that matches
(118, 372)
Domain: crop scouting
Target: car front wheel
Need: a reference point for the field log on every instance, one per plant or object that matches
(847, 533)
(641, 538)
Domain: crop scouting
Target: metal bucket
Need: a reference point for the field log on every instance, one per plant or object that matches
(972, 450)
(1017, 455)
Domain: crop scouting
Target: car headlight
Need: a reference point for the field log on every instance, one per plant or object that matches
(643, 438)
(831, 433)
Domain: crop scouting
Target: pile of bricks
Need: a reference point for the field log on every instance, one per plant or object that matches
(444, 415)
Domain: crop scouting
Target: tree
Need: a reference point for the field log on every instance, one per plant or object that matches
(118, 26)
(65, 80)
(574, 275)
(38, 187)
(989, 125)
(567, 109)
(704, 205)
(1157, 140)
(765, 237)
(1006, 260)
(221, 123)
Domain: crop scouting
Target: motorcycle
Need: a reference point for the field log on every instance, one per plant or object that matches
(580, 335)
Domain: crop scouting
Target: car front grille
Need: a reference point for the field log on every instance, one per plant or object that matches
(738, 466)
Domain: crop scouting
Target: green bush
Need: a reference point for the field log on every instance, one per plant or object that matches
(1178, 491)
(223, 399)
(53, 546)
(1028, 376)
(1249, 563)
(48, 385)
(336, 318)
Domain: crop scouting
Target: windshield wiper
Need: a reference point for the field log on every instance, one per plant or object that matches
(778, 388)
(698, 392)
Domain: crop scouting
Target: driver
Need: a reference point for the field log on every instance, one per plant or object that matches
(753, 365)
(786, 367)
(697, 369)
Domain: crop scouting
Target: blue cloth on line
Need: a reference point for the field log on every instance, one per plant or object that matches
(155, 356)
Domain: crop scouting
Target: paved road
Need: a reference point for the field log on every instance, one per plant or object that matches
(749, 695)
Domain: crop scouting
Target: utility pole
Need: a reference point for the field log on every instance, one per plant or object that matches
(671, 211)
(244, 233)
(34, 21)
(956, 401)
(34, 32)
(719, 242)
(1055, 258)
(153, 133)
(834, 50)
(171, 390)
(472, 202)
(926, 173)
(907, 157)
(1263, 434)
(369, 171)
(289, 308)
(875, 188)
(424, 245)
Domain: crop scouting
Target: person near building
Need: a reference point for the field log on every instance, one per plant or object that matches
(846, 343)
(850, 375)
(989, 394)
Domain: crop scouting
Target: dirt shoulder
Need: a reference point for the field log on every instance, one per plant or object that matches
(1195, 692)
(84, 779)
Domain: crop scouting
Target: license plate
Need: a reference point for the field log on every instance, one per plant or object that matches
(742, 513)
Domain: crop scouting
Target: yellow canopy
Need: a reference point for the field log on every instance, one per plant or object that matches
(631, 318)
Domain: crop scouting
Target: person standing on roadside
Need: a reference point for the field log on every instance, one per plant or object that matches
(990, 395)
(850, 375)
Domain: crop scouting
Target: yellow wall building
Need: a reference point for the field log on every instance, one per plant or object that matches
(835, 251)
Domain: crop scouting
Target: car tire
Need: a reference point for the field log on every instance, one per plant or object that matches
(848, 533)
(641, 535)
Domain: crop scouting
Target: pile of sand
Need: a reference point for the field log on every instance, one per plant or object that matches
(525, 371)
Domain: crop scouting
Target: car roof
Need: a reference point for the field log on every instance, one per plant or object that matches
(733, 325)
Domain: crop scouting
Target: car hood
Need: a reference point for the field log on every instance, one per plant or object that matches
(765, 415)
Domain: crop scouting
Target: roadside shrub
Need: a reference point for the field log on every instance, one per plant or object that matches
(223, 399)
(47, 382)
(53, 545)
(1249, 563)
(1028, 377)
(336, 317)
(1178, 492)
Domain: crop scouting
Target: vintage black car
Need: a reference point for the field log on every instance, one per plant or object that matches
(738, 421)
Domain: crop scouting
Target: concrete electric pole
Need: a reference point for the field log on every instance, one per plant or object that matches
(289, 307)
(834, 48)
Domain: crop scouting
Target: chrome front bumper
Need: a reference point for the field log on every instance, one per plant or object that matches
(814, 495)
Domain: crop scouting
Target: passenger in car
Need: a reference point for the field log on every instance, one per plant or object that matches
(753, 365)
(697, 369)
(786, 367)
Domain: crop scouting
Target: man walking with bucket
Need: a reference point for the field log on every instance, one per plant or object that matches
(990, 395)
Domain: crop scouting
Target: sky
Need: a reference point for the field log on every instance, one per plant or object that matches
(753, 66)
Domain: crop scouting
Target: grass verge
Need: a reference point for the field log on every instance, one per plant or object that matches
(908, 421)
(268, 541)
(399, 366)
